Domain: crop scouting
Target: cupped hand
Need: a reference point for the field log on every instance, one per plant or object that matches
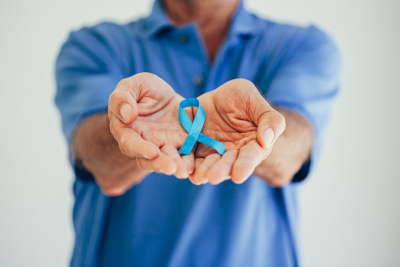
(143, 112)
(239, 117)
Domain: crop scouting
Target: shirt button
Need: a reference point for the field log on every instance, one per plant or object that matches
(198, 80)
(183, 38)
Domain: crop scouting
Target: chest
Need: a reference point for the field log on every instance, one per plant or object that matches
(181, 59)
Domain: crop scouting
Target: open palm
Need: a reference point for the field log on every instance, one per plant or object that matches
(239, 117)
(144, 120)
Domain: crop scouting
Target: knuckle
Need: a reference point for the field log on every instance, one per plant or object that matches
(122, 83)
(112, 131)
(110, 115)
(111, 119)
(141, 164)
(245, 83)
(281, 119)
(113, 98)
(112, 127)
(118, 97)
(124, 145)
(114, 103)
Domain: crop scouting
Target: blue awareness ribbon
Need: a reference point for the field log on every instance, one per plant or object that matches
(194, 128)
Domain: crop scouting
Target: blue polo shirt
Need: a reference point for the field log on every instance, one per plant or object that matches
(164, 221)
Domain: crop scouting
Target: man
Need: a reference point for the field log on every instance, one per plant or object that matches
(251, 76)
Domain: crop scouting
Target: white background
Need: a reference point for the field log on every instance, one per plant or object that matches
(349, 208)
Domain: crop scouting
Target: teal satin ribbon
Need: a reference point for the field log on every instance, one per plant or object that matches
(194, 128)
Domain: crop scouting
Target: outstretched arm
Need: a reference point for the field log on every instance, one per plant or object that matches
(254, 135)
(291, 150)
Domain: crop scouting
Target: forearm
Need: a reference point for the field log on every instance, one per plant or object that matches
(96, 150)
(289, 152)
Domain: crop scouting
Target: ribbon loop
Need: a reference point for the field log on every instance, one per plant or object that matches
(194, 128)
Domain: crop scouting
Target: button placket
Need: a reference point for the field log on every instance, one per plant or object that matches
(183, 38)
(190, 44)
(198, 80)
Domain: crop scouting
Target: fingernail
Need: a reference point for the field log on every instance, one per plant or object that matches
(268, 136)
(125, 111)
(144, 156)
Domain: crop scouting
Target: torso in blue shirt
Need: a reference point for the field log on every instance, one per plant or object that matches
(164, 221)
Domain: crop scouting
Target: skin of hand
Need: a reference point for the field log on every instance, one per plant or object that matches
(239, 117)
(143, 113)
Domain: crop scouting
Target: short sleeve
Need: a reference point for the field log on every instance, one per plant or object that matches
(307, 82)
(87, 72)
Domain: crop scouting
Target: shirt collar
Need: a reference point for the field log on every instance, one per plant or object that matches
(243, 22)
(157, 20)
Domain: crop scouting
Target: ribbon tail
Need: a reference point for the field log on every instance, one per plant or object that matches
(217, 145)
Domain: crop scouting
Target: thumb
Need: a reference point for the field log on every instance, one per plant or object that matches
(150, 91)
(270, 123)
(271, 126)
(123, 105)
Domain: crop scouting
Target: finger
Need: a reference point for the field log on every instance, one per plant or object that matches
(161, 164)
(249, 157)
(183, 168)
(123, 101)
(130, 142)
(189, 161)
(221, 170)
(201, 170)
(197, 163)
